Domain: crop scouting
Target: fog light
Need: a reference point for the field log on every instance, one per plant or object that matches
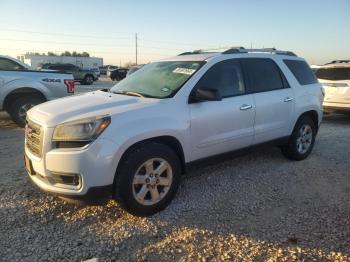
(66, 179)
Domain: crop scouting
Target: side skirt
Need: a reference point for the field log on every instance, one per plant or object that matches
(212, 160)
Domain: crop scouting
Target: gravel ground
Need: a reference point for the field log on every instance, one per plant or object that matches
(258, 207)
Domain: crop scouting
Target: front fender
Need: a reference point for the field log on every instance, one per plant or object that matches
(128, 133)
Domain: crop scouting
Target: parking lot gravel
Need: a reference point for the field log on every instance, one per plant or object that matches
(255, 207)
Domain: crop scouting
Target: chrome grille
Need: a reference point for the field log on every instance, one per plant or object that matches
(33, 135)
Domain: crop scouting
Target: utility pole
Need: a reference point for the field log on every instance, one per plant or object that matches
(136, 47)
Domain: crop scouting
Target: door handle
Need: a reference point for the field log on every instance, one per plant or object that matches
(288, 99)
(245, 107)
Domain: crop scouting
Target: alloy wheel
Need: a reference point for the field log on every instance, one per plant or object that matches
(152, 181)
(304, 139)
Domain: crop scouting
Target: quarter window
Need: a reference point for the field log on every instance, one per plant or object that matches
(263, 75)
(226, 77)
(301, 71)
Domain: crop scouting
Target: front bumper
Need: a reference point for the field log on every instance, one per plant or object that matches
(95, 164)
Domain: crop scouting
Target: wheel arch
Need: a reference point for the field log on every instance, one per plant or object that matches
(170, 141)
(20, 92)
(313, 115)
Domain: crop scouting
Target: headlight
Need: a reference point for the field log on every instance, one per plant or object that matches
(86, 129)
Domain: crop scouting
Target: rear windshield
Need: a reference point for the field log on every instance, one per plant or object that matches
(301, 71)
(332, 73)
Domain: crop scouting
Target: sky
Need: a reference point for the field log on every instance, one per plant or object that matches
(318, 30)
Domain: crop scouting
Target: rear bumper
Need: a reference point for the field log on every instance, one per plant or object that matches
(336, 107)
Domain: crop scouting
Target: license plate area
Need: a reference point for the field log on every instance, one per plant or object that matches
(28, 166)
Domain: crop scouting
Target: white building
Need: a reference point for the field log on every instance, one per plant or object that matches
(83, 62)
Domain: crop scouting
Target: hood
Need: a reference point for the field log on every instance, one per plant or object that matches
(91, 104)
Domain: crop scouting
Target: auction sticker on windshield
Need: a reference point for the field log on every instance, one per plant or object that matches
(186, 71)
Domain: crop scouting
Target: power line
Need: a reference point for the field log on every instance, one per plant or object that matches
(96, 36)
(170, 42)
(156, 47)
(60, 43)
(95, 51)
(83, 44)
(69, 35)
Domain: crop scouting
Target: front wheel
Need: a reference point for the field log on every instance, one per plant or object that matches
(302, 139)
(148, 179)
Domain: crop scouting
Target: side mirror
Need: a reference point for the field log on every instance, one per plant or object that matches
(205, 94)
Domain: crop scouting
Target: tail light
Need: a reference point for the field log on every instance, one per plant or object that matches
(70, 85)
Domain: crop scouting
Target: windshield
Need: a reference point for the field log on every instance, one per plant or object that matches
(158, 80)
(334, 73)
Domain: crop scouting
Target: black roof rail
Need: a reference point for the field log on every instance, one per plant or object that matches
(195, 52)
(234, 50)
(272, 50)
(241, 49)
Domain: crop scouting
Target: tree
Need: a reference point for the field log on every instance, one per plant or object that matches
(85, 54)
(51, 54)
(66, 53)
(129, 64)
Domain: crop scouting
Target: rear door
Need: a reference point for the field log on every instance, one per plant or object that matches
(226, 125)
(273, 98)
(336, 83)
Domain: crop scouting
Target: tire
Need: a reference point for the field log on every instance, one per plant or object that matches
(132, 179)
(302, 140)
(20, 106)
(88, 80)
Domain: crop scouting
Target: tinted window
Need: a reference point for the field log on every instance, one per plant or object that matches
(341, 73)
(55, 67)
(263, 75)
(301, 71)
(71, 67)
(6, 64)
(226, 77)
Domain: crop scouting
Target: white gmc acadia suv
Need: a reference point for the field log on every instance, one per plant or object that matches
(134, 141)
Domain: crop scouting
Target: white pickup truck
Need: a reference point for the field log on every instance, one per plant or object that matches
(22, 88)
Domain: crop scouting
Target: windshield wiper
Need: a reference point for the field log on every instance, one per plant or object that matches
(134, 94)
(129, 93)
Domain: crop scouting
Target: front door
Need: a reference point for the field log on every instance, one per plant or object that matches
(226, 125)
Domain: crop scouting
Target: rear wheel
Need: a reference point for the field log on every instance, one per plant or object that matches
(148, 179)
(18, 109)
(302, 139)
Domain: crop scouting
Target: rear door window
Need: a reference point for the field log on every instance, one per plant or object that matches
(7, 64)
(301, 71)
(263, 75)
(334, 73)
